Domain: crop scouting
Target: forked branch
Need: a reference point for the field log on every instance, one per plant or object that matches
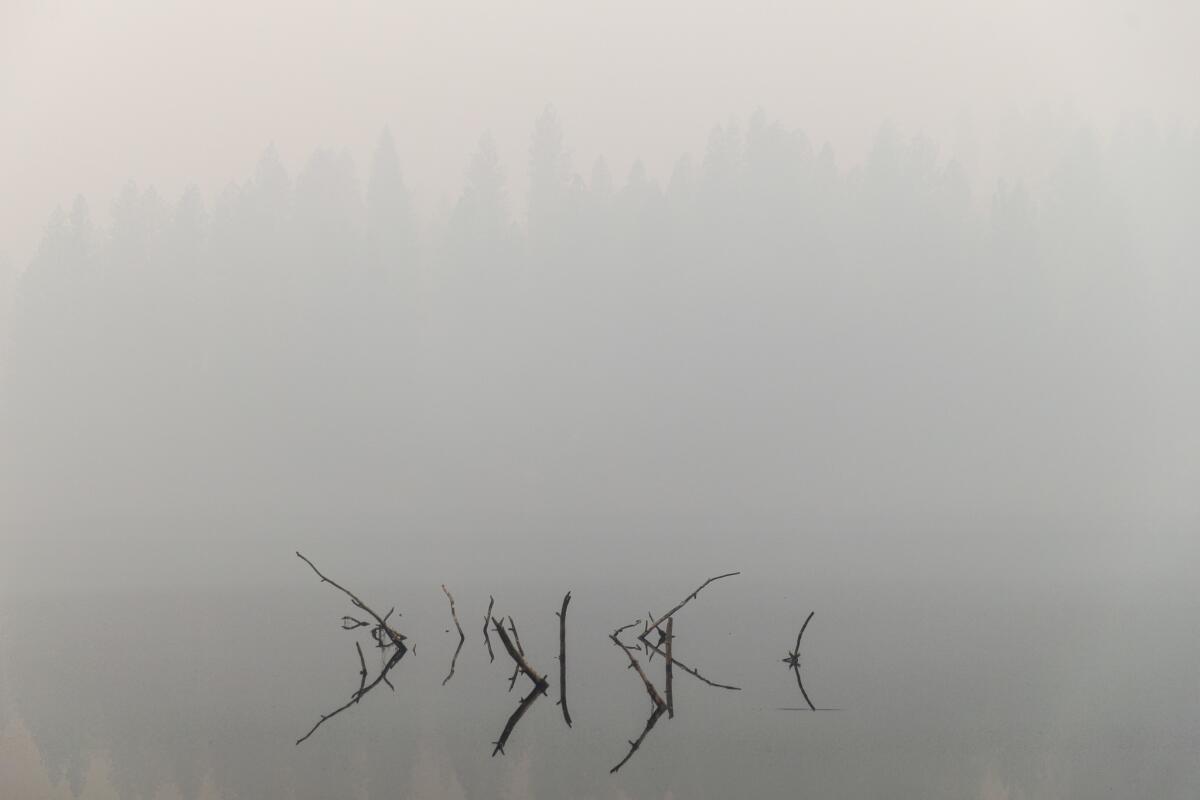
(660, 706)
(385, 638)
(462, 637)
(518, 657)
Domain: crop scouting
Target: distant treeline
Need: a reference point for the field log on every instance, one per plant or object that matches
(764, 331)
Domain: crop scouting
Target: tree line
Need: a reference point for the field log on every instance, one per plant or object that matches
(763, 328)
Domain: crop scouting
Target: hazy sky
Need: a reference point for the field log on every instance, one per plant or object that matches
(93, 94)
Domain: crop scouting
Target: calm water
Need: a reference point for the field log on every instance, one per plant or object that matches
(1056, 662)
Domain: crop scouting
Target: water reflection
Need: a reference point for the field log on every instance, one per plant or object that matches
(1005, 681)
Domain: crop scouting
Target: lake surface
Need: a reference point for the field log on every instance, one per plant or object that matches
(965, 658)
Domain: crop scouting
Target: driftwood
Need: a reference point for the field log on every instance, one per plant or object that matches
(487, 618)
(793, 661)
(511, 724)
(462, 637)
(540, 684)
(562, 658)
(385, 638)
(660, 705)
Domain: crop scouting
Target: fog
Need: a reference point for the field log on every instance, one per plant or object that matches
(889, 307)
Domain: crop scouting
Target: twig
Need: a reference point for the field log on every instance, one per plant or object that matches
(516, 638)
(636, 743)
(362, 672)
(511, 724)
(660, 705)
(670, 699)
(793, 660)
(396, 638)
(518, 657)
(486, 619)
(385, 637)
(655, 697)
(629, 647)
(461, 636)
(540, 684)
(562, 659)
(656, 623)
(395, 659)
(695, 673)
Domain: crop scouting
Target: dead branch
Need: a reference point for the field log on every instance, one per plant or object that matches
(660, 705)
(658, 622)
(381, 622)
(540, 684)
(517, 639)
(362, 692)
(511, 724)
(646, 631)
(562, 658)
(655, 697)
(617, 633)
(800, 635)
(636, 743)
(385, 638)
(519, 657)
(486, 619)
(669, 678)
(793, 660)
(462, 637)
(695, 673)
(362, 662)
(512, 626)
(800, 683)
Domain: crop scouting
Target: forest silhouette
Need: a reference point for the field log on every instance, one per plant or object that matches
(766, 330)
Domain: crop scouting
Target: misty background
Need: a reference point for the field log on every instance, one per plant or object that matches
(890, 306)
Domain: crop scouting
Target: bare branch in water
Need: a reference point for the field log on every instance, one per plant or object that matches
(636, 743)
(540, 684)
(395, 659)
(655, 625)
(660, 705)
(461, 636)
(380, 622)
(615, 635)
(487, 618)
(793, 660)
(562, 658)
(511, 724)
(670, 675)
(695, 673)
(517, 656)
(362, 674)
(655, 697)
(385, 638)
(517, 639)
